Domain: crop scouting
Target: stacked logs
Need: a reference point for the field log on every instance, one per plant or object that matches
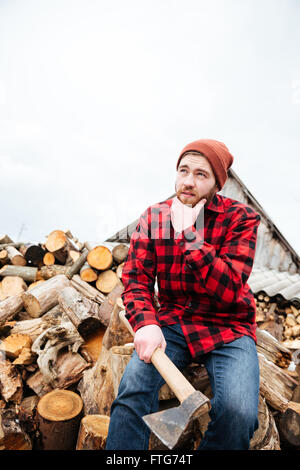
(52, 320)
(63, 351)
(279, 317)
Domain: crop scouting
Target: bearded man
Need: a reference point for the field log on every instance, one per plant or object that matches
(200, 248)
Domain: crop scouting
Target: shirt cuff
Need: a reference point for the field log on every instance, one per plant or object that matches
(137, 323)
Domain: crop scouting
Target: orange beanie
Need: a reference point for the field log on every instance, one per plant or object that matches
(216, 153)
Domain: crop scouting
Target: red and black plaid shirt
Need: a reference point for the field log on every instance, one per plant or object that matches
(201, 274)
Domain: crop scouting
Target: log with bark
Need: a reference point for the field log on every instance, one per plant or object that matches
(48, 259)
(93, 432)
(59, 413)
(75, 268)
(90, 386)
(11, 385)
(83, 313)
(120, 253)
(16, 258)
(277, 385)
(272, 349)
(12, 434)
(87, 273)
(33, 254)
(3, 257)
(87, 290)
(100, 258)
(107, 281)
(48, 344)
(12, 285)
(47, 272)
(10, 307)
(27, 415)
(27, 273)
(60, 244)
(43, 297)
(35, 326)
(69, 369)
(266, 437)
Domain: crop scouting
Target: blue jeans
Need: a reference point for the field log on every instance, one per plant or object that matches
(234, 377)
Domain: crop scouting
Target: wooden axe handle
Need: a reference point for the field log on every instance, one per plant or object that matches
(173, 377)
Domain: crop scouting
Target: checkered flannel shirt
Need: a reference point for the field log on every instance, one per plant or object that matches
(201, 274)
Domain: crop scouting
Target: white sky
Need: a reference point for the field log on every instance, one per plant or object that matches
(97, 99)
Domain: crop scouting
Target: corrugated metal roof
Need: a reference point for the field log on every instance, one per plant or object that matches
(275, 283)
(276, 269)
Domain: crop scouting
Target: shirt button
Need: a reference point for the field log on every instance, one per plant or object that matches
(181, 243)
(189, 304)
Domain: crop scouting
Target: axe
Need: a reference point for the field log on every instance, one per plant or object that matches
(170, 424)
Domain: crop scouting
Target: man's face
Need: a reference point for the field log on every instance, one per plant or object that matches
(195, 180)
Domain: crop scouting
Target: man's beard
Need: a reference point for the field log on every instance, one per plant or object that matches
(209, 196)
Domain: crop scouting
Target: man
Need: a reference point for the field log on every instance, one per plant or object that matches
(207, 310)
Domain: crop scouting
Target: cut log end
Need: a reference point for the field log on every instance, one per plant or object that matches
(60, 405)
(56, 240)
(100, 258)
(107, 281)
(49, 259)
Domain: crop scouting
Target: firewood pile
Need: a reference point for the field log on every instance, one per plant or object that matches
(63, 350)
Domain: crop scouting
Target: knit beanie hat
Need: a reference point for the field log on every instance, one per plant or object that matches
(216, 153)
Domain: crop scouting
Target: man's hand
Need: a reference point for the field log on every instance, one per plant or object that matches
(183, 216)
(147, 339)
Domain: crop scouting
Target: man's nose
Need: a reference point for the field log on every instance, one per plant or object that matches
(189, 179)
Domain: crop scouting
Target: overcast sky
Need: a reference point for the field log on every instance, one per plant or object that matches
(97, 99)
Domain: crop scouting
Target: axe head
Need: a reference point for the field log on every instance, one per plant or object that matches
(170, 425)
